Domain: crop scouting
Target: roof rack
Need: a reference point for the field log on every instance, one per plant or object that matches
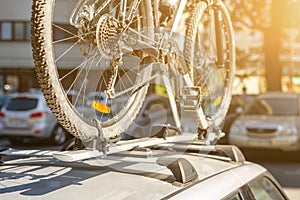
(139, 149)
(230, 151)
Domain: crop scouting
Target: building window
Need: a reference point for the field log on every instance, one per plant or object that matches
(14, 31)
(28, 31)
(6, 31)
(21, 31)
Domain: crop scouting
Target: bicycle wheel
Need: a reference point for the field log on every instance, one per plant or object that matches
(213, 76)
(75, 47)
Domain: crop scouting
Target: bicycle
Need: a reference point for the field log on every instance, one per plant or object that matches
(119, 47)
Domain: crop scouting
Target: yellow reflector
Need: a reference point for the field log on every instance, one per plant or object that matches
(161, 91)
(101, 107)
(217, 101)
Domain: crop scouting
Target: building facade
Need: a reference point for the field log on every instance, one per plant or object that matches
(16, 63)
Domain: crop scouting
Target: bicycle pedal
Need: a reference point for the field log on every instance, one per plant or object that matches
(191, 98)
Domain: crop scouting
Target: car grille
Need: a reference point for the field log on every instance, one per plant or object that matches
(261, 130)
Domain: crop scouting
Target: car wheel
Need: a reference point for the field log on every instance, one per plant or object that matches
(59, 135)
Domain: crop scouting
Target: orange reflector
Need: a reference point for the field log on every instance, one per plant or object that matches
(101, 107)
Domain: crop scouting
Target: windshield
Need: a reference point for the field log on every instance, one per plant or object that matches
(273, 106)
(23, 104)
(3, 101)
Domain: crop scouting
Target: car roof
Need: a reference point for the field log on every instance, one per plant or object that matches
(37, 95)
(278, 94)
(116, 177)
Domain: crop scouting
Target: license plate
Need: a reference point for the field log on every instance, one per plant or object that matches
(17, 122)
(257, 143)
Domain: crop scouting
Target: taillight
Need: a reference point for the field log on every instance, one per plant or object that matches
(2, 115)
(36, 115)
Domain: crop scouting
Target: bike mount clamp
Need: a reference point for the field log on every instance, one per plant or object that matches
(100, 143)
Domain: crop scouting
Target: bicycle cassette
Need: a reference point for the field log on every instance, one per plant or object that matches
(107, 34)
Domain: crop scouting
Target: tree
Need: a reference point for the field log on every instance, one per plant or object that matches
(272, 44)
(270, 17)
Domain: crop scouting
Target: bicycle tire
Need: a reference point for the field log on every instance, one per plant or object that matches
(51, 81)
(200, 65)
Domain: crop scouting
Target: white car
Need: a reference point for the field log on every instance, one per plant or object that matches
(157, 171)
(272, 121)
(27, 116)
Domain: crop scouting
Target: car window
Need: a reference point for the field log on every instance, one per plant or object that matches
(259, 107)
(264, 189)
(234, 196)
(274, 106)
(22, 104)
(279, 106)
(3, 101)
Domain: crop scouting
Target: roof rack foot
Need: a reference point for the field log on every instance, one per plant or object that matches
(181, 168)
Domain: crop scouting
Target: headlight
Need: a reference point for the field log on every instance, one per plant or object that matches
(235, 129)
(288, 131)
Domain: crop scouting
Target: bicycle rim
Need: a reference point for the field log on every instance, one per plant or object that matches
(201, 52)
(73, 64)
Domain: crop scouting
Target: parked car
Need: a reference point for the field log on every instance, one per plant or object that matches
(237, 107)
(27, 116)
(154, 172)
(272, 121)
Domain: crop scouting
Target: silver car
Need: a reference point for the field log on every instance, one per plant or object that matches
(27, 116)
(272, 121)
(160, 171)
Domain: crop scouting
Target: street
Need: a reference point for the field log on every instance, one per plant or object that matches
(284, 166)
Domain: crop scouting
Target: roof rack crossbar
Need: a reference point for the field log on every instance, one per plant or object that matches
(70, 156)
(231, 151)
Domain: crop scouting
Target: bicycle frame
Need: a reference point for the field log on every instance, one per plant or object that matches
(155, 51)
(187, 77)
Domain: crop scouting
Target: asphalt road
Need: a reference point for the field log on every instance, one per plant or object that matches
(284, 166)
